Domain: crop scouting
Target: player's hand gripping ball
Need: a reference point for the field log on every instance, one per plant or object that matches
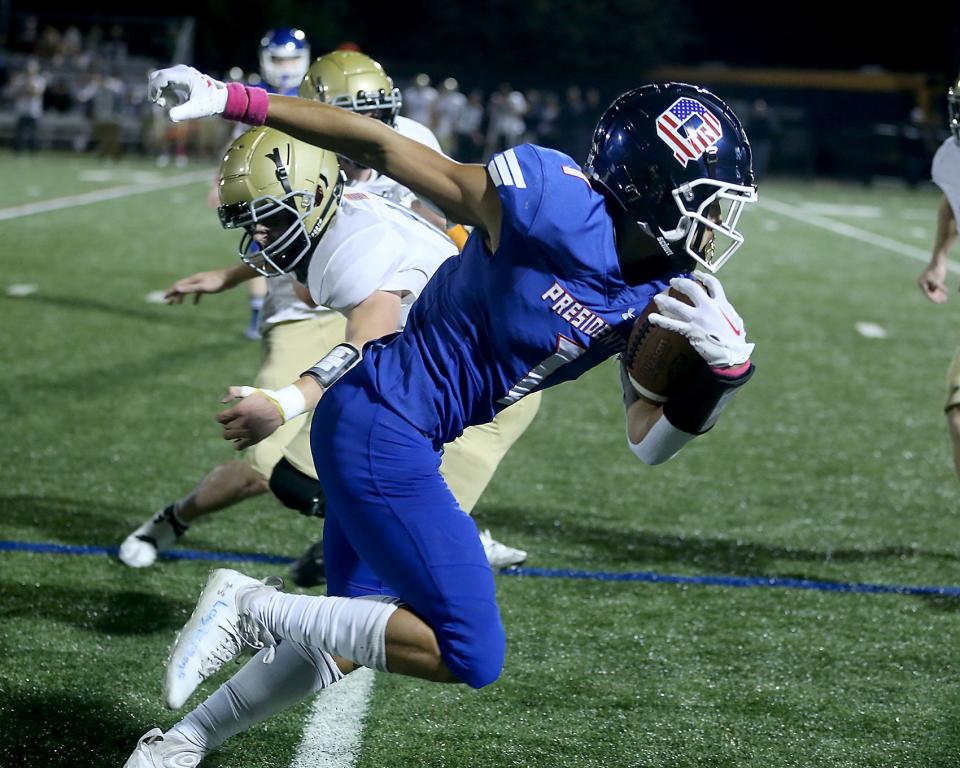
(659, 361)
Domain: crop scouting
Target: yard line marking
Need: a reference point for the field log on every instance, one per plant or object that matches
(332, 735)
(544, 573)
(21, 289)
(853, 211)
(871, 330)
(854, 233)
(101, 195)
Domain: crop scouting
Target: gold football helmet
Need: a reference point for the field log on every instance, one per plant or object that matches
(289, 186)
(953, 107)
(354, 81)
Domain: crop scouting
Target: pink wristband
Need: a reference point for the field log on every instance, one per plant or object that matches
(245, 104)
(732, 372)
(258, 106)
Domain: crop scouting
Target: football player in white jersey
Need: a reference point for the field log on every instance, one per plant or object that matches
(293, 331)
(933, 280)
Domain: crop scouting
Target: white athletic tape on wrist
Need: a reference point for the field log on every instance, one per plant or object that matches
(289, 400)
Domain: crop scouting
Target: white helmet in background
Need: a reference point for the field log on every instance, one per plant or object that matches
(284, 57)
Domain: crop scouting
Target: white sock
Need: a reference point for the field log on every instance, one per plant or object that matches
(353, 628)
(258, 691)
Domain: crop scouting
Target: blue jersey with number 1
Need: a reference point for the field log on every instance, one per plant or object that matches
(549, 304)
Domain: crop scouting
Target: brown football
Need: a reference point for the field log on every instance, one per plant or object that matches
(658, 361)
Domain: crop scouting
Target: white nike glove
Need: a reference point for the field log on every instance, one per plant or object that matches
(711, 325)
(187, 93)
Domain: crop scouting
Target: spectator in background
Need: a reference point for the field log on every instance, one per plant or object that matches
(507, 109)
(103, 99)
(72, 44)
(469, 130)
(761, 129)
(546, 128)
(26, 89)
(447, 108)
(571, 121)
(50, 44)
(419, 100)
(115, 49)
(27, 36)
(58, 97)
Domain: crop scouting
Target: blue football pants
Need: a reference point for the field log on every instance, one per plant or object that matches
(393, 527)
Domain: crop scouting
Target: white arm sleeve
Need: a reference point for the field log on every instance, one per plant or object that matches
(661, 443)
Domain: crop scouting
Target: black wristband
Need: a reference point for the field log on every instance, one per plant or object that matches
(697, 406)
(334, 364)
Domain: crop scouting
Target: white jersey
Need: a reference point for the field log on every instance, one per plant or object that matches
(375, 245)
(946, 173)
(281, 305)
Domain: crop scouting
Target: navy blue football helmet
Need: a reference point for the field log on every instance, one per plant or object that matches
(675, 159)
(284, 57)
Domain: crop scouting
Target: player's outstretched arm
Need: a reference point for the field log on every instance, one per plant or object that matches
(933, 279)
(212, 281)
(716, 331)
(464, 193)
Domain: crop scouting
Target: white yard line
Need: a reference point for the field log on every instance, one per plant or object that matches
(333, 734)
(100, 195)
(854, 233)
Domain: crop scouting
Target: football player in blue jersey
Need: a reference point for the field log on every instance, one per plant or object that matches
(560, 261)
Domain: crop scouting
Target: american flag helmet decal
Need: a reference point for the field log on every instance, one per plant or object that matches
(689, 129)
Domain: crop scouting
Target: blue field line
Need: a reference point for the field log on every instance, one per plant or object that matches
(174, 554)
(651, 577)
(735, 581)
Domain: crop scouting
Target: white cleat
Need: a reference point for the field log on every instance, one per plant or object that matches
(500, 555)
(140, 548)
(218, 631)
(158, 750)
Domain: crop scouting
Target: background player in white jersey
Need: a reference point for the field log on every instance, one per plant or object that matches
(293, 332)
(933, 280)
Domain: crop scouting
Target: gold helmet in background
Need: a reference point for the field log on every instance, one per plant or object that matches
(354, 81)
(953, 108)
(289, 186)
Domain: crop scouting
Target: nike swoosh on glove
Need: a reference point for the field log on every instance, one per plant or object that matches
(711, 324)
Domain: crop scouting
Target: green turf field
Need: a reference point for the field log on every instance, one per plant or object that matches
(832, 466)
